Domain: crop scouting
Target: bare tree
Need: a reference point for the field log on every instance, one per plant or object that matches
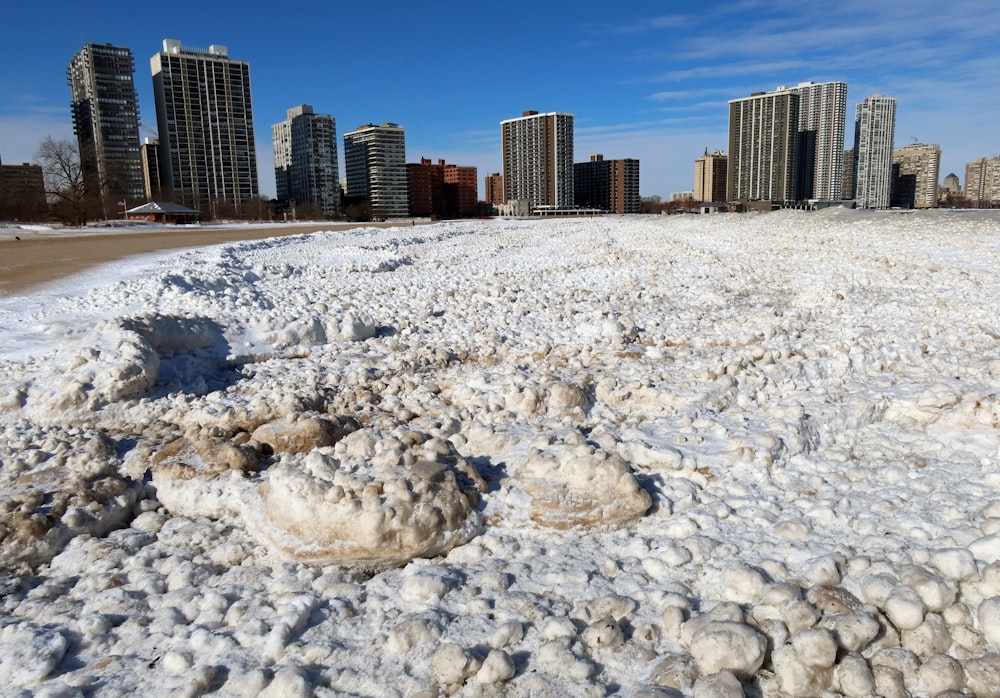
(66, 183)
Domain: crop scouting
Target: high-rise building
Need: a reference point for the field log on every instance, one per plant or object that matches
(982, 181)
(442, 190)
(625, 186)
(822, 112)
(208, 157)
(538, 159)
(494, 189)
(150, 150)
(608, 185)
(375, 165)
(461, 189)
(710, 176)
(847, 189)
(592, 183)
(105, 110)
(788, 145)
(915, 170)
(874, 129)
(305, 160)
(763, 147)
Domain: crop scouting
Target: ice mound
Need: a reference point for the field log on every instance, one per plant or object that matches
(374, 501)
(574, 485)
(123, 358)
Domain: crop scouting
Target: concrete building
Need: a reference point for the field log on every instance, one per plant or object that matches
(494, 189)
(847, 189)
(982, 182)
(440, 190)
(105, 109)
(788, 145)
(822, 113)
(375, 166)
(607, 185)
(915, 170)
(763, 147)
(538, 159)
(625, 186)
(305, 160)
(874, 130)
(710, 172)
(461, 189)
(22, 193)
(150, 151)
(204, 113)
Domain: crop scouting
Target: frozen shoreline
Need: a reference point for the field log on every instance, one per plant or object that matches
(668, 455)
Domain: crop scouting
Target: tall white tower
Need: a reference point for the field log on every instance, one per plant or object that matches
(874, 130)
(822, 113)
(208, 156)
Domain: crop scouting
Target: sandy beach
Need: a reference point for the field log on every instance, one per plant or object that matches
(36, 259)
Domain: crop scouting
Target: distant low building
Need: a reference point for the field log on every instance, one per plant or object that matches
(22, 193)
(514, 208)
(951, 185)
(164, 212)
(440, 190)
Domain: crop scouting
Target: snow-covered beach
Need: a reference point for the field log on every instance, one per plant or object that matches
(704, 455)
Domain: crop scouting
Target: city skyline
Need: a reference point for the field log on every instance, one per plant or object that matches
(642, 84)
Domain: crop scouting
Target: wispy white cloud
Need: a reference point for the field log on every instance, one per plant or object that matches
(643, 25)
(686, 95)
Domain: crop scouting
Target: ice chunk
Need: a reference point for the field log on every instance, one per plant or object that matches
(575, 485)
(722, 645)
(321, 509)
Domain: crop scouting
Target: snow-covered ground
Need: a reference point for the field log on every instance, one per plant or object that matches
(32, 231)
(635, 456)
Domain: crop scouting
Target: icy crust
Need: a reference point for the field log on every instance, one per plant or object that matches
(57, 483)
(653, 456)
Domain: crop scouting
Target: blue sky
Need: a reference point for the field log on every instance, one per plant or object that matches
(644, 79)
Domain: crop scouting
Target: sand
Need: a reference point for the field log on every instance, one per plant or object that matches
(35, 260)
